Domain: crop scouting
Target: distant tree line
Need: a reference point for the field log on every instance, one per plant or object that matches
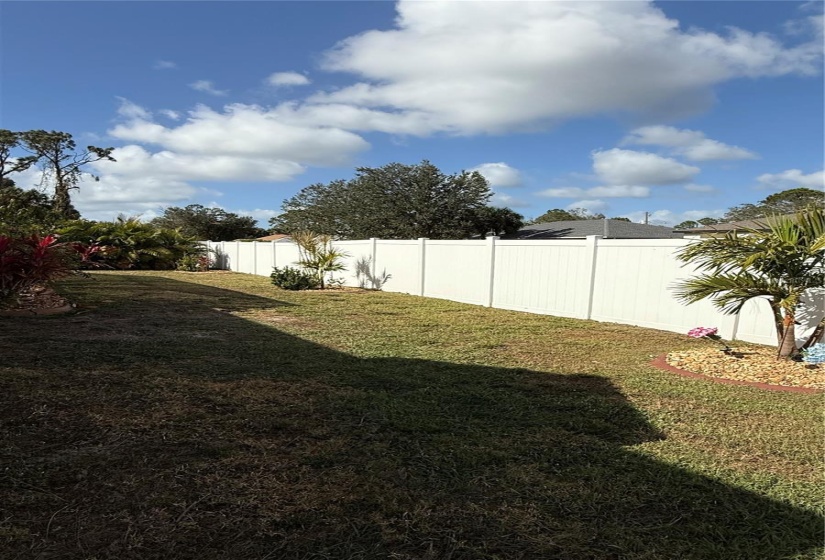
(559, 215)
(785, 202)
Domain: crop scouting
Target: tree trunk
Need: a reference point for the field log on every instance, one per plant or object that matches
(787, 344)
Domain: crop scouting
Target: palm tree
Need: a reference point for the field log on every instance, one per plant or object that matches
(780, 263)
(318, 254)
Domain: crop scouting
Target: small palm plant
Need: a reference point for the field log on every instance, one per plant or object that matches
(780, 263)
(318, 254)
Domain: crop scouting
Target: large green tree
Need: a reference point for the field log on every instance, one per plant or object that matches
(213, 224)
(785, 202)
(396, 201)
(498, 220)
(780, 263)
(25, 212)
(62, 163)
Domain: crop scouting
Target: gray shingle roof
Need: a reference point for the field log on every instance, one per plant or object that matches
(609, 229)
(760, 224)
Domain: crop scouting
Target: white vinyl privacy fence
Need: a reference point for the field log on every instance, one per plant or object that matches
(613, 280)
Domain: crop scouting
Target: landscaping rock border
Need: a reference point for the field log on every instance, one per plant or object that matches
(661, 363)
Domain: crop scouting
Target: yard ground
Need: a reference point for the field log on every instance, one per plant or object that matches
(213, 416)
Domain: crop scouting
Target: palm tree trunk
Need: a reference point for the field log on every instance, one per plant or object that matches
(787, 344)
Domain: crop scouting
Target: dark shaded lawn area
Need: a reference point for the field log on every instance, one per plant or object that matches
(158, 424)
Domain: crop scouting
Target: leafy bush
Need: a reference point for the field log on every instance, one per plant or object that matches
(194, 262)
(289, 278)
(26, 262)
(128, 243)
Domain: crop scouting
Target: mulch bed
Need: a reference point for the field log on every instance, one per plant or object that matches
(41, 300)
(753, 366)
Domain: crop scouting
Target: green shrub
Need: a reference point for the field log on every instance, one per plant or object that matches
(128, 243)
(294, 279)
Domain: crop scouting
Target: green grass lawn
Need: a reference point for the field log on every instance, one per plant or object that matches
(213, 416)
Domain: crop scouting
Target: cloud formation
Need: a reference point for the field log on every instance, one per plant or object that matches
(692, 144)
(499, 174)
(793, 178)
(607, 191)
(494, 67)
(164, 65)
(246, 131)
(279, 79)
(629, 167)
(207, 86)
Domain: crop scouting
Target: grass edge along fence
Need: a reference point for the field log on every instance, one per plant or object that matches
(626, 281)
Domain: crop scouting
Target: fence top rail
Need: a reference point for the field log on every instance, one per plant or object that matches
(541, 242)
(645, 242)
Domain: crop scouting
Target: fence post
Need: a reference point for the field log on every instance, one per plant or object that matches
(373, 251)
(491, 267)
(224, 259)
(422, 258)
(254, 258)
(592, 255)
(274, 254)
(237, 256)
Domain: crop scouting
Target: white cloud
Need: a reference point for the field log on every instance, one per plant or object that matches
(607, 191)
(499, 174)
(793, 178)
(628, 167)
(130, 110)
(170, 114)
(279, 79)
(564, 192)
(246, 131)
(491, 67)
(131, 195)
(505, 200)
(164, 65)
(592, 206)
(692, 144)
(617, 191)
(207, 86)
(135, 161)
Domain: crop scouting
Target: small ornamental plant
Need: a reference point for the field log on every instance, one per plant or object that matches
(711, 334)
(815, 354)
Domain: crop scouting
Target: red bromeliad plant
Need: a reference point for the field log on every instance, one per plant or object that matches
(27, 262)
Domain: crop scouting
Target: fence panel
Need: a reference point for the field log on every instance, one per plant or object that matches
(634, 285)
(545, 277)
(264, 258)
(397, 267)
(359, 252)
(457, 270)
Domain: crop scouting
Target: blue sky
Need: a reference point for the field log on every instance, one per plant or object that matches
(680, 109)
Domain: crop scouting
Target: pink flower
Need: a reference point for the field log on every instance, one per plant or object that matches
(701, 332)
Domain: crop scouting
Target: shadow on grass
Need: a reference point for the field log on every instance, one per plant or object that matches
(160, 425)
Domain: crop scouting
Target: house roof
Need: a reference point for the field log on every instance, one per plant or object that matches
(759, 224)
(609, 229)
(273, 237)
